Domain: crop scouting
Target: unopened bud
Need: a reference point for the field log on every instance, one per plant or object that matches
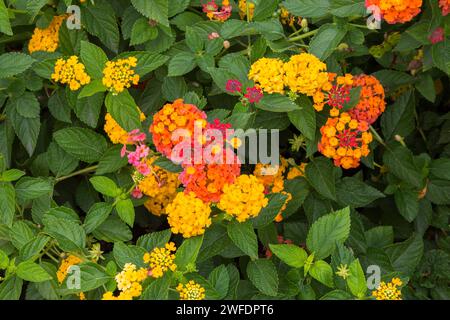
(342, 47)
(226, 44)
(152, 23)
(305, 29)
(304, 23)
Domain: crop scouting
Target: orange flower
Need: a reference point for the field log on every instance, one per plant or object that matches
(371, 104)
(171, 118)
(445, 6)
(345, 140)
(271, 176)
(336, 93)
(397, 11)
(208, 180)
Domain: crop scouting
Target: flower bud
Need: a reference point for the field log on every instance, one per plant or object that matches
(226, 44)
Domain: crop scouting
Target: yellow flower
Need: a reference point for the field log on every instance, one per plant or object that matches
(161, 260)
(271, 175)
(306, 74)
(244, 198)
(82, 296)
(191, 291)
(157, 205)
(71, 260)
(128, 282)
(70, 71)
(268, 74)
(46, 39)
(115, 132)
(295, 172)
(188, 215)
(388, 291)
(118, 75)
(279, 216)
(343, 271)
(159, 181)
(243, 9)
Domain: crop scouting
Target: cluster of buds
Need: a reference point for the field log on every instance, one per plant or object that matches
(251, 95)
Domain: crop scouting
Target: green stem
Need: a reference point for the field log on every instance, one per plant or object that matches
(76, 173)
(303, 36)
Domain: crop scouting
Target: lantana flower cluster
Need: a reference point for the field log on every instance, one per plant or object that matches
(395, 11)
(251, 95)
(66, 263)
(129, 282)
(388, 291)
(445, 6)
(246, 7)
(211, 8)
(191, 291)
(161, 260)
(115, 132)
(119, 75)
(46, 39)
(71, 72)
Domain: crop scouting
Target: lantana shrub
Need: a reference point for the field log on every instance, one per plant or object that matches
(116, 118)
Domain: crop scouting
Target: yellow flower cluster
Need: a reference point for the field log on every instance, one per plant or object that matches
(244, 198)
(388, 291)
(271, 176)
(70, 71)
(268, 74)
(71, 260)
(243, 9)
(157, 205)
(191, 291)
(128, 282)
(188, 215)
(159, 181)
(115, 132)
(118, 75)
(46, 39)
(298, 171)
(161, 260)
(306, 74)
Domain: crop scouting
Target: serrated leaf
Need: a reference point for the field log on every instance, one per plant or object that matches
(304, 119)
(322, 272)
(96, 215)
(157, 10)
(125, 210)
(188, 251)
(263, 274)
(244, 237)
(124, 110)
(277, 103)
(7, 203)
(31, 271)
(13, 63)
(290, 254)
(105, 186)
(181, 64)
(94, 59)
(320, 174)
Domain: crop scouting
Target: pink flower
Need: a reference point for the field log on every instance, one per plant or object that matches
(136, 136)
(136, 193)
(142, 151)
(123, 151)
(210, 6)
(213, 35)
(254, 95)
(143, 168)
(133, 158)
(437, 35)
(233, 86)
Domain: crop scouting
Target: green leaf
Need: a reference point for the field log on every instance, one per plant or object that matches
(158, 289)
(399, 161)
(125, 209)
(96, 215)
(31, 271)
(92, 277)
(244, 237)
(440, 168)
(320, 174)
(105, 186)
(399, 117)
(27, 129)
(5, 25)
(157, 10)
(11, 289)
(34, 6)
(148, 61)
(4, 260)
(322, 272)
(356, 280)
(263, 274)
(441, 57)
(348, 8)
(32, 248)
(142, 32)
(113, 230)
(124, 254)
(59, 107)
(26, 105)
(327, 231)
(13, 63)
(290, 254)
(187, 253)
(220, 279)
(380, 236)
(405, 256)
(326, 40)
(193, 40)
(308, 8)
(29, 188)
(268, 213)
(20, 234)
(181, 64)
(355, 193)
(7, 203)
(100, 21)
(304, 119)
(88, 109)
(70, 235)
(154, 240)
(60, 162)
(124, 110)
(426, 87)
(277, 103)
(407, 203)
(84, 144)
(92, 88)
(111, 161)
(94, 59)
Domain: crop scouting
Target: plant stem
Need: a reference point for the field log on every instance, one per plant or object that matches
(76, 173)
(305, 35)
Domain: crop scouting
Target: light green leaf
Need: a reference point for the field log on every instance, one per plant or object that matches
(290, 254)
(322, 272)
(31, 271)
